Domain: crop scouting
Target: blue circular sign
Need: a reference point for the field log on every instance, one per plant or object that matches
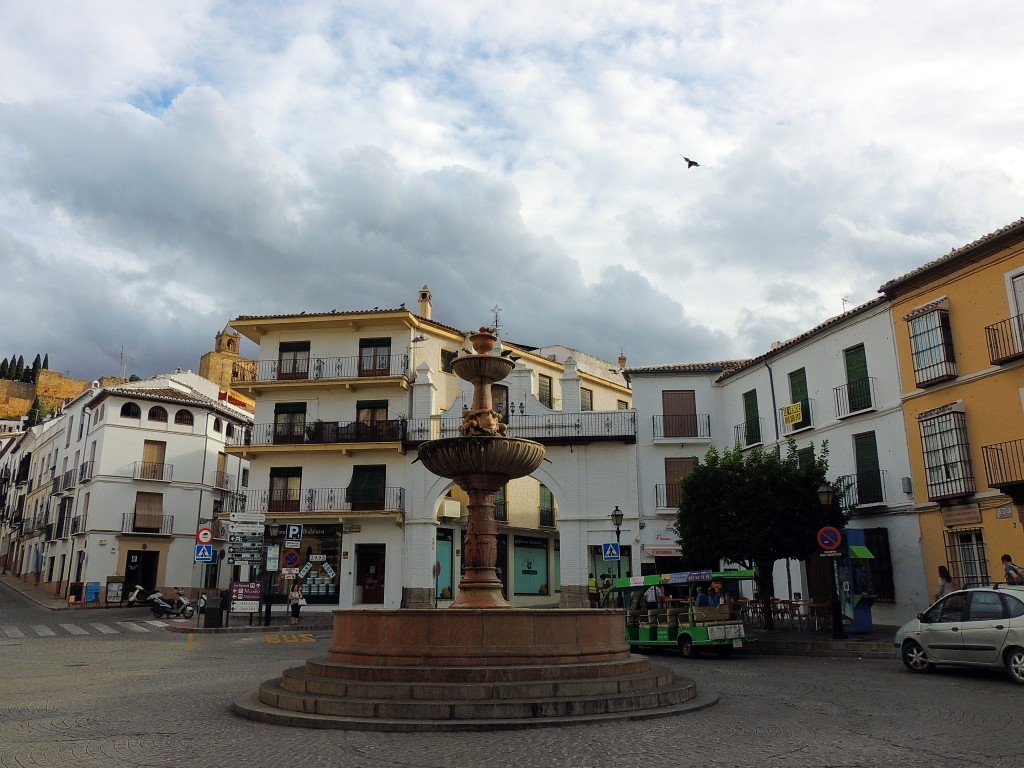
(829, 538)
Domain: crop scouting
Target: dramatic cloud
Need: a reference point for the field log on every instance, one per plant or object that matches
(163, 170)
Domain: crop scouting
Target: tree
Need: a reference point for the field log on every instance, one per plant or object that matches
(753, 509)
(37, 365)
(3, 369)
(46, 361)
(35, 414)
(19, 368)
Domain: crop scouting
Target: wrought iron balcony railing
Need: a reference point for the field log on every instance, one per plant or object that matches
(683, 425)
(668, 495)
(1005, 340)
(1004, 463)
(950, 481)
(151, 470)
(855, 396)
(56, 485)
(298, 433)
(797, 416)
(500, 510)
(547, 517)
(319, 369)
(323, 500)
(132, 522)
(223, 480)
(85, 472)
(863, 488)
(68, 483)
(76, 525)
(549, 428)
(749, 433)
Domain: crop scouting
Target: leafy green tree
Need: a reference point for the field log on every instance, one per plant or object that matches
(35, 414)
(3, 369)
(754, 508)
(19, 368)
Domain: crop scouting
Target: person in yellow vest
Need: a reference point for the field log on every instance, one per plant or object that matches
(592, 590)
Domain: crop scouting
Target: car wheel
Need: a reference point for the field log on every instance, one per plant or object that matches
(915, 658)
(686, 647)
(1015, 664)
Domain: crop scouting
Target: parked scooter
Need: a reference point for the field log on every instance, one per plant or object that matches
(180, 607)
(139, 596)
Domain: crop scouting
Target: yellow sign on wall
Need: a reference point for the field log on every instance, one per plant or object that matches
(793, 414)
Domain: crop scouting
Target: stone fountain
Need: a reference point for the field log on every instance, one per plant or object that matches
(480, 664)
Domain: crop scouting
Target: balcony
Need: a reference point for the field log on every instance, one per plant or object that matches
(323, 500)
(256, 374)
(150, 470)
(85, 472)
(1004, 467)
(797, 417)
(320, 433)
(1005, 340)
(547, 517)
(76, 525)
(863, 488)
(855, 397)
(693, 425)
(68, 482)
(160, 525)
(501, 510)
(668, 495)
(223, 480)
(749, 433)
(549, 429)
(57, 485)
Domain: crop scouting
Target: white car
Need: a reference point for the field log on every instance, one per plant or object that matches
(976, 627)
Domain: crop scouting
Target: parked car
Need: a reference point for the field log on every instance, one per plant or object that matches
(975, 627)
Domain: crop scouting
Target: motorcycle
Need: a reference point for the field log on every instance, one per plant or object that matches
(139, 596)
(180, 607)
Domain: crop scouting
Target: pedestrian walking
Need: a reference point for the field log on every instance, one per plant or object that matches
(947, 583)
(1013, 572)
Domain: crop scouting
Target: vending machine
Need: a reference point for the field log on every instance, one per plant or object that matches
(856, 585)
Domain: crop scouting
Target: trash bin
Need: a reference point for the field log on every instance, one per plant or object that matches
(214, 616)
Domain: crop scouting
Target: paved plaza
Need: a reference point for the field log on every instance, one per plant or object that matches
(164, 699)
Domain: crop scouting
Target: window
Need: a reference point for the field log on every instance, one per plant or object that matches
(547, 507)
(217, 426)
(184, 418)
(622, 405)
(544, 390)
(500, 505)
(245, 478)
(798, 396)
(71, 424)
(531, 565)
(750, 429)
(372, 418)
(374, 357)
(156, 413)
(984, 606)
(586, 399)
(153, 456)
(446, 360)
(149, 511)
(679, 413)
(805, 457)
(947, 455)
(965, 553)
(676, 470)
(880, 567)
(931, 346)
(293, 360)
(858, 386)
(289, 422)
(229, 430)
(131, 411)
(285, 489)
(81, 429)
(869, 476)
(499, 400)
(366, 491)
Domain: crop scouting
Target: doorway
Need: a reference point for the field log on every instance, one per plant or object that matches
(370, 559)
(141, 568)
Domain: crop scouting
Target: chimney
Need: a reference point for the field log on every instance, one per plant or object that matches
(425, 302)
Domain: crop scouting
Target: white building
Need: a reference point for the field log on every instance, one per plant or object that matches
(114, 488)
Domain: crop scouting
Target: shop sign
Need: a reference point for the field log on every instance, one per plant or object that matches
(1004, 513)
(328, 570)
(961, 514)
(317, 558)
(663, 551)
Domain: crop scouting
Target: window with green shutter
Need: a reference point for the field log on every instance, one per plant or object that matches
(751, 419)
(858, 389)
(869, 477)
(798, 395)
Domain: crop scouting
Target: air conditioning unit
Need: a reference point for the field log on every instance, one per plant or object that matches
(450, 508)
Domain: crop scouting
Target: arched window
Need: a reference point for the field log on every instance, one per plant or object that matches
(131, 411)
(156, 413)
(216, 425)
(229, 430)
(183, 417)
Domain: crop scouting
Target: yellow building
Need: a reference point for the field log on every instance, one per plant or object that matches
(959, 330)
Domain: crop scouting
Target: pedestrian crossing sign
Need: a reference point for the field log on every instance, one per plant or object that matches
(611, 551)
(204, 553)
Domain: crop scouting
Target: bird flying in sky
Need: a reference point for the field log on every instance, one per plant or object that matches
(690, 163)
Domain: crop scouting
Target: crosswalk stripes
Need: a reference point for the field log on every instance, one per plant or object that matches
(42, 630)
(78, 630)
(74, 629)
(103, 629)
(131, 626)
(13, 632)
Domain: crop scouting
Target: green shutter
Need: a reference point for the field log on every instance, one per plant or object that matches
(858, 390)
(869, 479)
(752, 422)
(798, 386)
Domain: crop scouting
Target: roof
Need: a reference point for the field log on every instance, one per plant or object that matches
(165, 395)
(350, 313)
(1011, 232)
(685, 368)
(785, 345)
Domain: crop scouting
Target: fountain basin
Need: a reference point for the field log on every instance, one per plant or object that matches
(502, 458)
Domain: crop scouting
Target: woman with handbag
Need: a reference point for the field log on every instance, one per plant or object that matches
(296, 601)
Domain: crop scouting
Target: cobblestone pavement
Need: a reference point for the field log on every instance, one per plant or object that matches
(118, 702)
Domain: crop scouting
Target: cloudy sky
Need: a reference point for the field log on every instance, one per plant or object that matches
(166, 167)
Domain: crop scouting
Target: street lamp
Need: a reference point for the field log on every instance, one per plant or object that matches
(826, 496)
(617, 522)
(268, 598)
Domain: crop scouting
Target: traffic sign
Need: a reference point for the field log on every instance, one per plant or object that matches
(239, 560)
(610, 551)
(291, 559)
(247, 517)
(829, 538)
(246, 528)
(248, 538)
(204, 535)
(204, 553)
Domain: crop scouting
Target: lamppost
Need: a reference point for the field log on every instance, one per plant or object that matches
(617, 522)
(826, 496)
(268, 597)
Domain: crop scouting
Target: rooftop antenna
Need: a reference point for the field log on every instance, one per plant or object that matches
(846, 300)
(497, 319)
(122, 368)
